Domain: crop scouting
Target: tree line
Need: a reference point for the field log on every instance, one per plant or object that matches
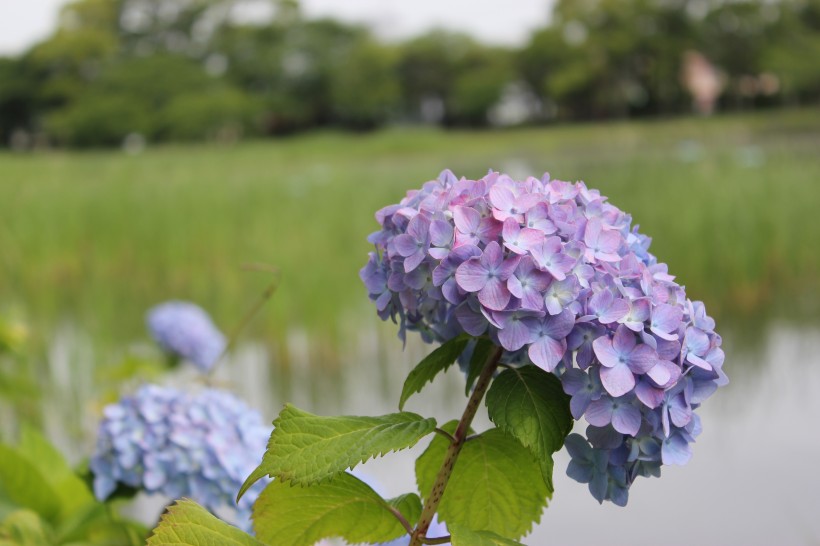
(164, 70)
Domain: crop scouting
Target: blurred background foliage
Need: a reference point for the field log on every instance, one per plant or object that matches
(131, 71)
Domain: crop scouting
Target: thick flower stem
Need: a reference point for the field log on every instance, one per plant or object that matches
(459, 437)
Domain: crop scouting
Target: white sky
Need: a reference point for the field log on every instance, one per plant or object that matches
(24, 22)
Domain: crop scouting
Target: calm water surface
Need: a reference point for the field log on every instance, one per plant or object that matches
(754, 478)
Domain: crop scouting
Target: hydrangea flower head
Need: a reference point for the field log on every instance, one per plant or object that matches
(184, 330)
(199, 445)
(558, 277)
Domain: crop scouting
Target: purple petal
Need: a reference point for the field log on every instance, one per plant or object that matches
(616, 311)
(501, 198)
(617, 380)
(676, 450)
(451, 292)
(441, 233)
(493, 256)
(510, 230)
(494, 295)
(660, 374)
(600, 301)
(599, 412)
(574, 380)
(623, 341)
(467, 220)
(697, 341)
(559, 326)
(626, 418)
(666, 318)
(406, 245)
(642, 359)
(472, 275)
(699, 362)
(546, 352)
(579, 403)
(605, 352)
(515, 287)
(515, 335)
(473, 323)
(413, 261)
(508, 267)
(649, 395)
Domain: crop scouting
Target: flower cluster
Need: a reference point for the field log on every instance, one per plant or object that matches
(200, 445)
(184, 330)
(555, 274)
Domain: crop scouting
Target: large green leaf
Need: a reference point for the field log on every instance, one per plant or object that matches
(462, 536)
(495, 485)
(481, 352)
(25, 528)
(24, 485)
(287, 515)
(72, 491)
(306, 448)
(426, 370)
(187, 523)
(530, 404)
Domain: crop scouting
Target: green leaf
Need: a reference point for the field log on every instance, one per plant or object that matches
(24, 485)
(462, 536)
(72, 491)
(25, 528)
(287, 515)
(495, 486)
(426, 370)
(187, 523)
(306, 448)
(530, 404)
(482, 351)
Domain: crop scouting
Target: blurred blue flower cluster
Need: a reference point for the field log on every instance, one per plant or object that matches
(184, 330)
(200, 445)
(557, 276)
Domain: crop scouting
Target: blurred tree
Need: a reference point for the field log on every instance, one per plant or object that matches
(364, 91)
(450, 78)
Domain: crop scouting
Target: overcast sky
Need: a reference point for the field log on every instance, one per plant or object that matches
(24, 22)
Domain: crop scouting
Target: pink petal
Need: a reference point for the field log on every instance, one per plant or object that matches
(501, 198)
(510, 230)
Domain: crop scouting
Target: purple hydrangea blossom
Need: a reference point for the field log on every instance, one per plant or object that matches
(558, 277)
(200, 445)
(184, 330)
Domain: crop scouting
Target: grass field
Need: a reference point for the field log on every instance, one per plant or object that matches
(95, 238)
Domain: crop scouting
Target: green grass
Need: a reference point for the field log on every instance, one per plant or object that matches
(96, 238)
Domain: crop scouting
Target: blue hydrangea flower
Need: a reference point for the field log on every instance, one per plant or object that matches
(199, 445)
(558, 277)
(185, 330)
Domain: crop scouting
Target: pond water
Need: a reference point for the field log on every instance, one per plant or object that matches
(753, 480)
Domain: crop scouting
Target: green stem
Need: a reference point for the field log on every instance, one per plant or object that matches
(246, 319)
(418, 537)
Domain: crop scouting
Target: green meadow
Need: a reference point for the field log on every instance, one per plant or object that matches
(95, 238)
